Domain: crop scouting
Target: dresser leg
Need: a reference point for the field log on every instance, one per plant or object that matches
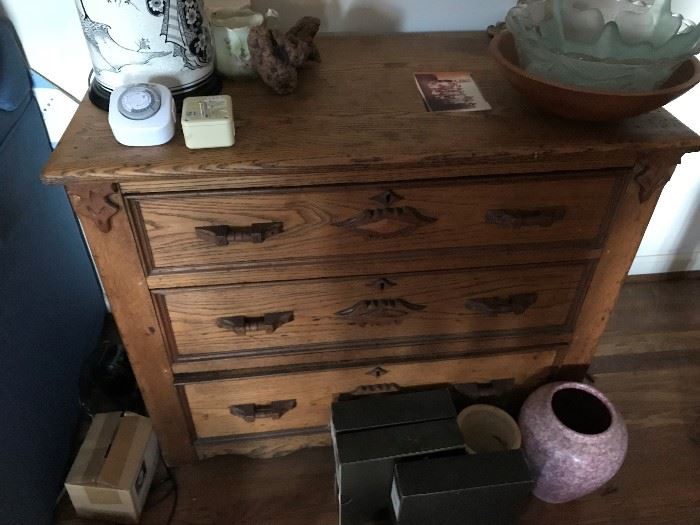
(101, 211)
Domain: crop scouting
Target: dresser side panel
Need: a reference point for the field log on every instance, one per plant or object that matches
(634, 212)
(114, 250)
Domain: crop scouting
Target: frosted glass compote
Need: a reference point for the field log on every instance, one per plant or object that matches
(620, 45)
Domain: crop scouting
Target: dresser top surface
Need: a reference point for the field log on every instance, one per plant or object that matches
(359, 112)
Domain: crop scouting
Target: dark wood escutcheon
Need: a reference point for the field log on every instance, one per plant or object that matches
(377, 371)
(387, 198)
(543, 217)
(223, 235)
(385, 223)
(275, 410)
(267, 323)
(381, 284)
(378, 312)
(512, 304)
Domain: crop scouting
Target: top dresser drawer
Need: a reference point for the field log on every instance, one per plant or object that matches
(292, 226)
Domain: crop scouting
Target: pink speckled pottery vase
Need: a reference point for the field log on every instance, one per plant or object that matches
(574, 439)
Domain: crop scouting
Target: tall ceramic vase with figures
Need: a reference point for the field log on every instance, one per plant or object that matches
(163, 41)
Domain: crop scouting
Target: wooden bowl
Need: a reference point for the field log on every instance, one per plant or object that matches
(581, 104)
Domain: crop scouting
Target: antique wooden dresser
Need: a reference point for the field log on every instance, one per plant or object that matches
(352, 242)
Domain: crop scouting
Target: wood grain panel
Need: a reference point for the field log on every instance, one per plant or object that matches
(209, 402)
(420, 261)
(329, 313)
(345, 222)
(358, 113)
(193, 368)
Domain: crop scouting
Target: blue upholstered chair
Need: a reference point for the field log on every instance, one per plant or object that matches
(51, 306)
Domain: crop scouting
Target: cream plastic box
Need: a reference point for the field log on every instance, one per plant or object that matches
(207, 122)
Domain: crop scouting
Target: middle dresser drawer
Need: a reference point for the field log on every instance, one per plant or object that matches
(282, 228)
(298, 316)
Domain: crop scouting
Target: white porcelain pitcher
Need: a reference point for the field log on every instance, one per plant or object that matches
(231, 29)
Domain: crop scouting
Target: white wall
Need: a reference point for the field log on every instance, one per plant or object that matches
(51, 34)
(53, 40)
(393, 15)
(672, 240)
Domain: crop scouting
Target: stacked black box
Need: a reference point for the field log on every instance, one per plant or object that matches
(480, 489)
(370, 434)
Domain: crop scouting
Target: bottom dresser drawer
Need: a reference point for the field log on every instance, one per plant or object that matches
(301, 401)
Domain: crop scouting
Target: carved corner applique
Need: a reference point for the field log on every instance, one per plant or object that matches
(653, 172)
(92, 202)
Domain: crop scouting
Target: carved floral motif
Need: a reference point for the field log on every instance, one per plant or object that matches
(385, 223)
(379, 312)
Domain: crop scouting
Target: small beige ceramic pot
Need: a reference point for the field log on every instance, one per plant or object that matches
(487, 428)
(231, 29)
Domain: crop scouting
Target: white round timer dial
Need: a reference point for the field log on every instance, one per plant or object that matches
(139, 102)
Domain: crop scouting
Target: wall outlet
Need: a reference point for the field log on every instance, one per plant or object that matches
(57, 107)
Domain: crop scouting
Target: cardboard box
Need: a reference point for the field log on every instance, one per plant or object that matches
(371, 434)
(113, 471)
(479, 489)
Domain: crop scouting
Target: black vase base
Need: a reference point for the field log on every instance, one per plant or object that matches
(99, 96)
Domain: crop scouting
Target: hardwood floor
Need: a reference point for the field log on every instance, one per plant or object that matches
(648, 364)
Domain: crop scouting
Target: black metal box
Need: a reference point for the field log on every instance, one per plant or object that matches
(370, 434)
(479, 489)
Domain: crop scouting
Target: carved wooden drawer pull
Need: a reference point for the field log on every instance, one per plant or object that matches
(368, 390)
(512, 304)
(379, 312)
(268, 323)
(497, 387)
(275, 410)
(223, 235)
(543, 217)
(385, 223)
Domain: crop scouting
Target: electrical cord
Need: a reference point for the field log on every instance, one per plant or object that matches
(172, 490)
(175, 495)
(154, 488)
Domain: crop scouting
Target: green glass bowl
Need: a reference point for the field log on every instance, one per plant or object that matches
(613, 45)
(605, 75)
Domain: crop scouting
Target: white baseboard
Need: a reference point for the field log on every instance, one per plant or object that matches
(674, 262)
